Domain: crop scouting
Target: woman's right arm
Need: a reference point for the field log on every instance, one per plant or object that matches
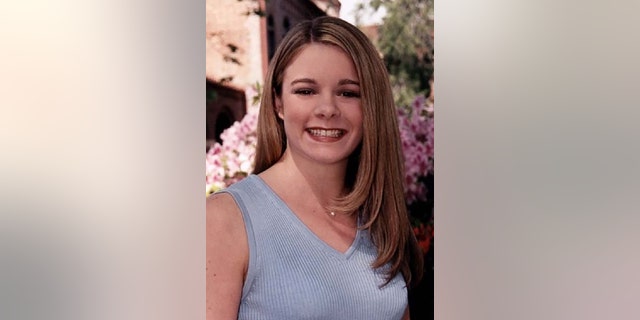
(227, 257)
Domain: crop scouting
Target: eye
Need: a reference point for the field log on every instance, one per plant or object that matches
(349, 94)
(304, 92)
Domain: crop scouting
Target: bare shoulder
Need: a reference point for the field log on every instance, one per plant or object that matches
(225, 226)
(222, 206)
(227, 256)
(224, 217)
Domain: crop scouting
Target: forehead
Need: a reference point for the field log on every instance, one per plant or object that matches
(319, 60)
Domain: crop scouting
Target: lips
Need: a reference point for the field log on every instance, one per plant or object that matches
(330, 133)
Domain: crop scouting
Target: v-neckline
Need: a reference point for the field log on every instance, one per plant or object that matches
(306, 230)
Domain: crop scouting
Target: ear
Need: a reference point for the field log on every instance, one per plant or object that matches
(279, 109)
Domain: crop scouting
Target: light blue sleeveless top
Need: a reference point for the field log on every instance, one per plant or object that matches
(293, 274)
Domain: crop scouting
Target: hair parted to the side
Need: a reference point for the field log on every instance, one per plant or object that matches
(375, 171)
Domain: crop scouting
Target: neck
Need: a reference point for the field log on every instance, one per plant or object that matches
(300, 179)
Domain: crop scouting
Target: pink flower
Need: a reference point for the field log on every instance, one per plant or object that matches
(416, 133)
(232, 160)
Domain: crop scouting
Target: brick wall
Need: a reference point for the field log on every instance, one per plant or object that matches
(227, 23)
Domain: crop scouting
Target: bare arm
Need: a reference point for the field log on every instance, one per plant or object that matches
(227, 257)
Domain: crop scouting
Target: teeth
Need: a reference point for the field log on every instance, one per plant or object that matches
(326, 133)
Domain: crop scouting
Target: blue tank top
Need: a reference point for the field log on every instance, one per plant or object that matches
(293, 274)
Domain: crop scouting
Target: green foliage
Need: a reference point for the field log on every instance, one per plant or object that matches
(255, 100)
(406, 43)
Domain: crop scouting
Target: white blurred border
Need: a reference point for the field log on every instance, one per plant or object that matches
(102, 139)
(102, 121)
(537, 169)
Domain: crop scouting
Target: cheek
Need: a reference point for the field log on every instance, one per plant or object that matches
(292, 109)
(357, 118)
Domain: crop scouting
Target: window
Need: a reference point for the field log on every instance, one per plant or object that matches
(286, 24)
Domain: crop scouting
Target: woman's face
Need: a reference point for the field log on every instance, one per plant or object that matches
(320, 105)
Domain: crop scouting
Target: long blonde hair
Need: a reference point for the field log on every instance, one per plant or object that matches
(375, 171)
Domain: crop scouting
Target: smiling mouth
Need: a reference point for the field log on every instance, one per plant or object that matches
(332, 133)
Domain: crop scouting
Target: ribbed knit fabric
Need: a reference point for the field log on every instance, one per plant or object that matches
(293, 274)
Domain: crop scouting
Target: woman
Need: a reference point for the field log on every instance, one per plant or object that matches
(320, 229)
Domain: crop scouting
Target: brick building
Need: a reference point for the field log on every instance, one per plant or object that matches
(241, 37)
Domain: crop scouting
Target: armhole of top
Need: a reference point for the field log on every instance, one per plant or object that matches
(253, 256)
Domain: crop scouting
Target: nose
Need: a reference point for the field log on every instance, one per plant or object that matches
(326, 107)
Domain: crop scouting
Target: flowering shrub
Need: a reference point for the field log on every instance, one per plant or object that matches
(416, 132)
(232, 160)
(424, 235)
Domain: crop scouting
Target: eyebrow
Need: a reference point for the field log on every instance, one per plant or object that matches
(341, 82)
(302, 80)
(348, 81)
